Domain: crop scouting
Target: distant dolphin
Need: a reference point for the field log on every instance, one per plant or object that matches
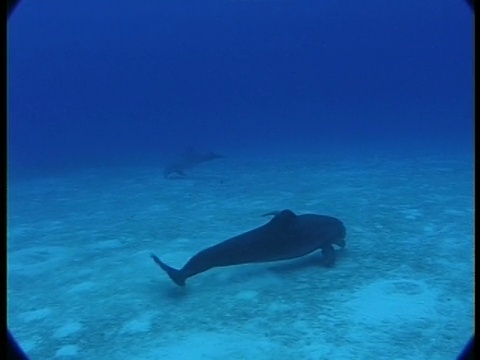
(285, 236)
(189, 160)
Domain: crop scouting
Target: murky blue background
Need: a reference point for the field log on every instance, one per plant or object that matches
(116, 82)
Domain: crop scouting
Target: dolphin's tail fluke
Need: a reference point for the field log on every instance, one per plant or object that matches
(174, 274)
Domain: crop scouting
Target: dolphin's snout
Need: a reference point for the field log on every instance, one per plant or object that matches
(341, 243)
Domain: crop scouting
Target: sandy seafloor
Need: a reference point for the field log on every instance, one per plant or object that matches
(81, 284)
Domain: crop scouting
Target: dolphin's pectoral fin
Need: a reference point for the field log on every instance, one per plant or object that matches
(174, 274)
(328, 253)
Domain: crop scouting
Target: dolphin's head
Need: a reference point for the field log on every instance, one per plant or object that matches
(340, 242)
(340, 239)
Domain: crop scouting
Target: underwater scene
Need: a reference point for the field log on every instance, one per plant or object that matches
(240, 179)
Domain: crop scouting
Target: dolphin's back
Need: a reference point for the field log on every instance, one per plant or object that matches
(250, 247)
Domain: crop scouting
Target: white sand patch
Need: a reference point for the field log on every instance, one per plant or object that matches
(67, 350)
(140, 324)
(84, 286)
(159, 208)
(411, 214)
(217, 346)
(225, 275)
(247, 295)
(276, 307)
(67, 329)
(37, 259)
(257, 276)
(35, 315)
(455, 212)
(19, 230)
(393, 300)
(53, 225)
(182, 240)
(318, 350)
(430, 229)
(28, 345)
(107, 244)
(83, 272)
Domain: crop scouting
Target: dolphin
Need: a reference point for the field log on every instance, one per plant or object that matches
(286, 236)
(189, 160)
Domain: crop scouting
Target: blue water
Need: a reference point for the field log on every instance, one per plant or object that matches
(362, 110)
(99, 82)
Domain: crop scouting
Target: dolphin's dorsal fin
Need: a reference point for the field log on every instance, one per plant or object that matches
(272, 213)
(281, 218)
(283, 213)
